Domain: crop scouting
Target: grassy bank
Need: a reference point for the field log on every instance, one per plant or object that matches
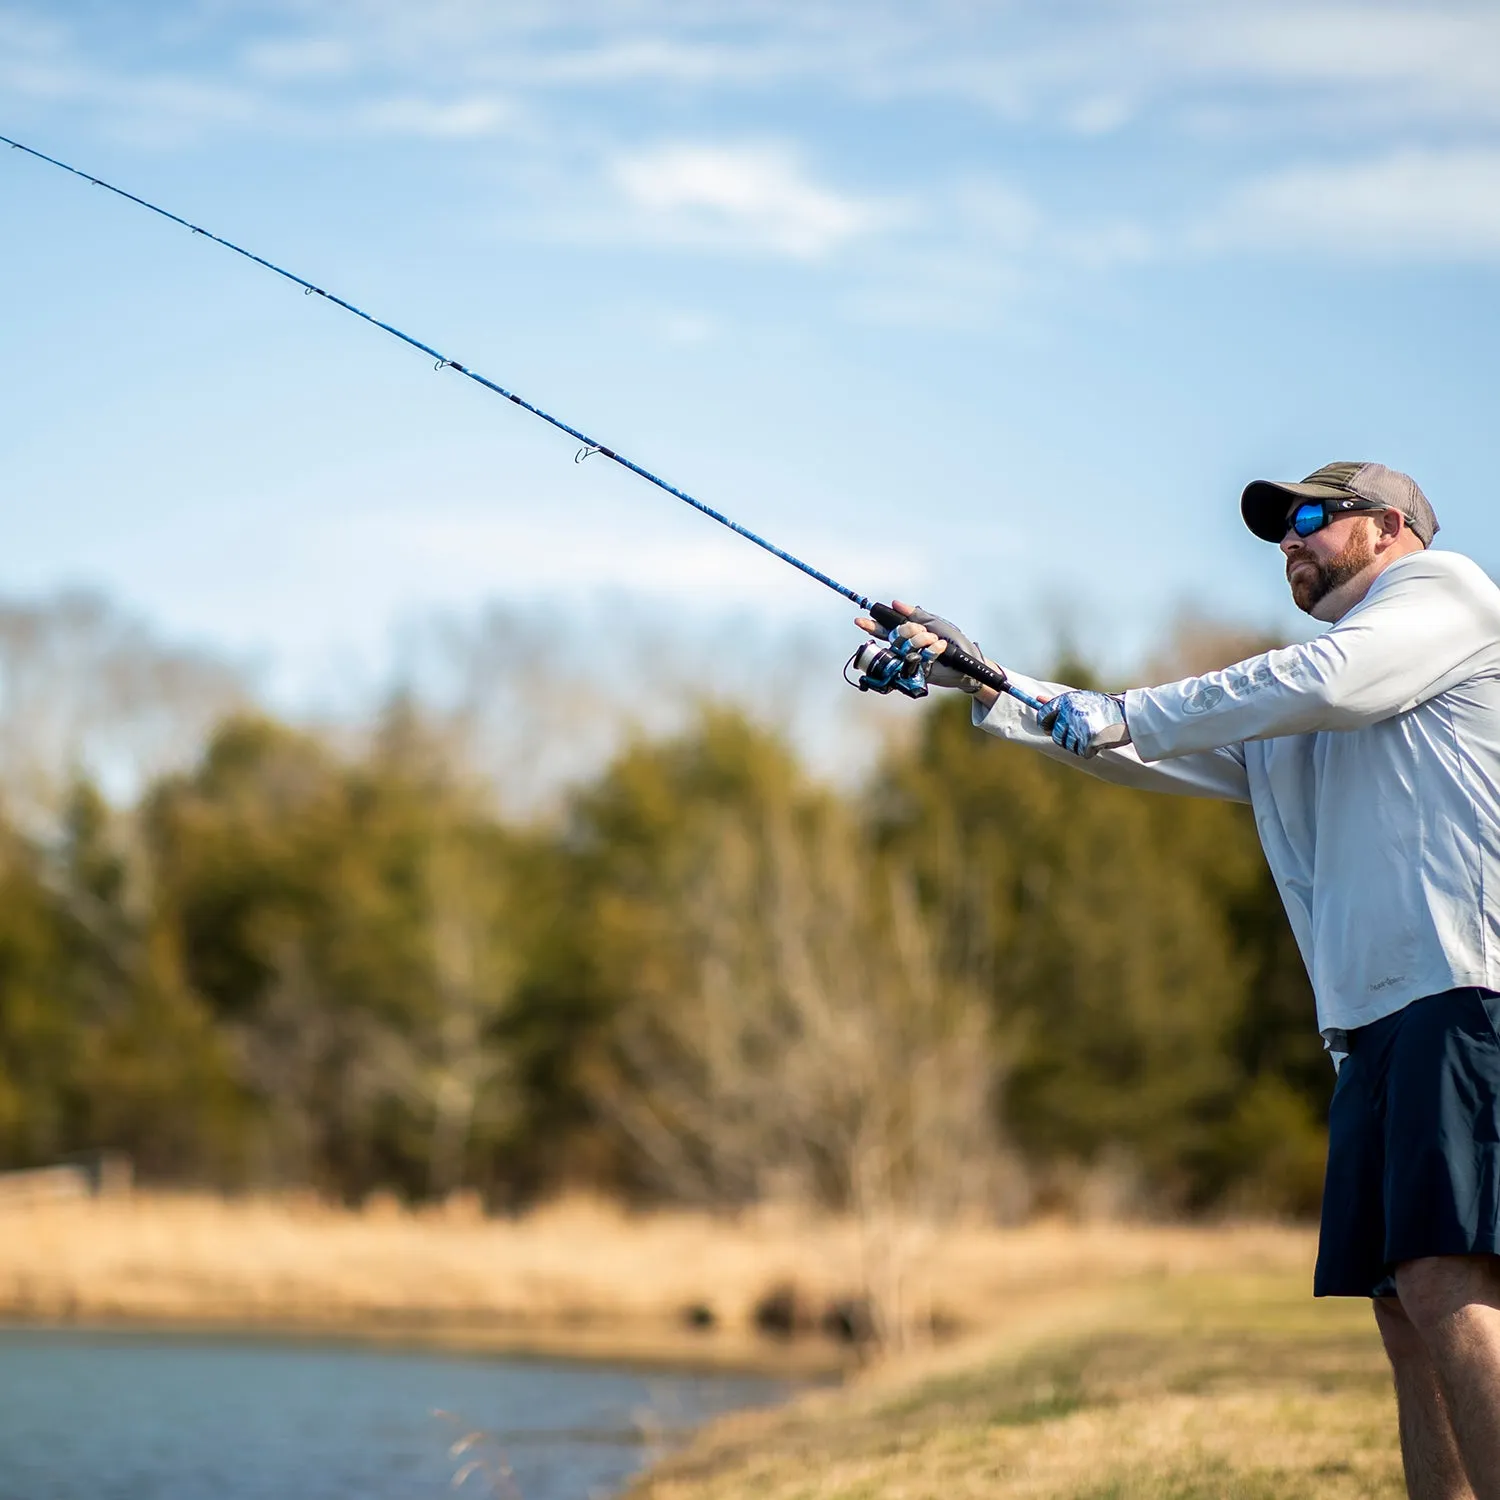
(1199, 1386)
(581, 1277)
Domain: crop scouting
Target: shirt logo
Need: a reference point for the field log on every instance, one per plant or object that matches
(1207, 697)
(1253, 682)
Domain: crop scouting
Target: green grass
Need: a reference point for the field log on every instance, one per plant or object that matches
(1193, 1388)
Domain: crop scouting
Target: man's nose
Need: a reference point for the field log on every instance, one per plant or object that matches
(1291, 542)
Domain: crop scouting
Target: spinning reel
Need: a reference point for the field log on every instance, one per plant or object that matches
(890, 667)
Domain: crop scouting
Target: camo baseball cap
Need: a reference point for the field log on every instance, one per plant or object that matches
(1266, 503)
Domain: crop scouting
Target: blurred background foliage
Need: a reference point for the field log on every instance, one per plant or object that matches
(974, 982)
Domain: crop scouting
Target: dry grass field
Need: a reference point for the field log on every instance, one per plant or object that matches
(581, 1274)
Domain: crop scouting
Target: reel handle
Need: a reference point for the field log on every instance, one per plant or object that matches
(960, 660)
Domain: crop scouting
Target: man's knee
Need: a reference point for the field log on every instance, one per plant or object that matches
(1434, 1288)
(1403, 1343)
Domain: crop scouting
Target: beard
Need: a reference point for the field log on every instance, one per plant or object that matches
(1320, 579)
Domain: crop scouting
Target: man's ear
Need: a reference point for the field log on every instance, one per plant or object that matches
(1389, 522)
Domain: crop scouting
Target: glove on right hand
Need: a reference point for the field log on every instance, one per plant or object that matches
(1085, 723)
(939, 675)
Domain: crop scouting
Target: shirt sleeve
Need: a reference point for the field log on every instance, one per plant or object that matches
(1216, 773)
(1429, 622)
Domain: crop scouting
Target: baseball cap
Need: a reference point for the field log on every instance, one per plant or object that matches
(1266, 502)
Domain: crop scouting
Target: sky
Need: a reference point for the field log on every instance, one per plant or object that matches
(994, 306)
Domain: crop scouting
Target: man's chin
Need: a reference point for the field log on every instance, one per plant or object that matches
(1307, 590)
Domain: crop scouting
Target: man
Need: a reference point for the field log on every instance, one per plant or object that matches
(1371, 758)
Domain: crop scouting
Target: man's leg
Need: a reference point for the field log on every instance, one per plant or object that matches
(1429, 1451)
(1453, 1303)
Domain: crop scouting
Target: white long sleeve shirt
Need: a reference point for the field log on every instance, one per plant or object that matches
(1371, 758)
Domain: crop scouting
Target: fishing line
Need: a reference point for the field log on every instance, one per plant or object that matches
(906, 676)
(590, 445)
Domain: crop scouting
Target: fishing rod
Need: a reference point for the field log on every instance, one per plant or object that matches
(883, 668)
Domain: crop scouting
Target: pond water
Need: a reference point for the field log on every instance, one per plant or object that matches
(104, 1416)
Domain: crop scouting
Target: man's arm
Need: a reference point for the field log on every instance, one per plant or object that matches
(1214, 773)
(1429, 623)
(1220, 773)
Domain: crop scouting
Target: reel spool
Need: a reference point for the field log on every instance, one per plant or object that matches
(890, 667)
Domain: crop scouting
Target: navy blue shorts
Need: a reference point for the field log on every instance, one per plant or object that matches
(1413, 1144)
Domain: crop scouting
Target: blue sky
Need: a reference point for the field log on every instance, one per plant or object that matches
(995, 305)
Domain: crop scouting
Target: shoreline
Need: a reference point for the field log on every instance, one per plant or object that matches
(649, 1348)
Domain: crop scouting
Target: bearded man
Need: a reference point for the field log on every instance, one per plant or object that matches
(1371, 758)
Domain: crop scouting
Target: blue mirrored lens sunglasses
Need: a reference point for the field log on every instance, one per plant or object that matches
(1314, 515)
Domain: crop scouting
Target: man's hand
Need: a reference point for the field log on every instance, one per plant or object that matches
(929, 632)
(1086, 723)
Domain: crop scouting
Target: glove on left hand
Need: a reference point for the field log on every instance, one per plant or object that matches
(939, 674)
(1086, 723)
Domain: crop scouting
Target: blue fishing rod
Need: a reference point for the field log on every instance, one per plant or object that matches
(883, 669)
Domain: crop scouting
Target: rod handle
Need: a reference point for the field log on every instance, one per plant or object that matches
(959, 659)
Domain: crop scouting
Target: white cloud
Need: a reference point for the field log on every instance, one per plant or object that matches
(661, 58)
(1100, 246)
(998, 213)
(688, 328)
(1091, 67)
(157, 108)
(753, 198)
(527, 556)
(301, 57)
(1276, 67)
(1397, 59)
(45, 64)
(456, 119)
(36, 62)
(936, 289)
(959, 261)
(29, 36)
(1430, 205)
(1322, 73)
(1101, 114)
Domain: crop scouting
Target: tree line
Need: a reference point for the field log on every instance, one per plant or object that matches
(979, 982)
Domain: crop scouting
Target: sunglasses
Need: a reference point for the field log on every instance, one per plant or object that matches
(1314, 515)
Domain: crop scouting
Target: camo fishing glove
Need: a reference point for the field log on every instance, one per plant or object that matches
(1085, 723)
